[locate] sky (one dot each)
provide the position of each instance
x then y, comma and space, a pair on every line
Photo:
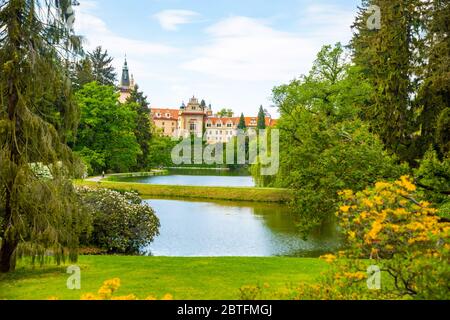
229, 52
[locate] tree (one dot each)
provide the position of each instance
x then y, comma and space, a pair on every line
37, 114
143, 131
203, 104
324, 146
390, 68
242, 125
433, 97
82, 74
261, 118
102, 68
106, 136
225, 113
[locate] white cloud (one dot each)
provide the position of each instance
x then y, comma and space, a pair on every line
248, 49
97, 33
171, 19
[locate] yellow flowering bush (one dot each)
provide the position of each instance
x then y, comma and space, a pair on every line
389, 227
109, 287
387, 220
401, 234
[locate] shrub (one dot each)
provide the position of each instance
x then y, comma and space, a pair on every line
121, 222
389, 228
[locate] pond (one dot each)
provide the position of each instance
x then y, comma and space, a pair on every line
200, 229
191, 177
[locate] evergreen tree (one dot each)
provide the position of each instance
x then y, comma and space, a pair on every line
434, 94
102, 68
261, 118
203, 104
143, 131
388, 58
38, 206
82, 74
241, 125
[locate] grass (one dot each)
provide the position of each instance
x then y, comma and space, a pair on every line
184, 278
198, 192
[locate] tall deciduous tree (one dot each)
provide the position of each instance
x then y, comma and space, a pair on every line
36, 112
143, 131
106, 137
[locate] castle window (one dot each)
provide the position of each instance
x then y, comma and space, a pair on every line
168, 115
229, 125
193, 127
158, 115
219, 125
208, 125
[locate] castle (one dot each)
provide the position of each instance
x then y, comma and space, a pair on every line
195, 118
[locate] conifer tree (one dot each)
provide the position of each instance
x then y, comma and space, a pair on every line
261, 118
38, 206
242, 125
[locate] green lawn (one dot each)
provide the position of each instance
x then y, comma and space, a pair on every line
198, 192
184, 278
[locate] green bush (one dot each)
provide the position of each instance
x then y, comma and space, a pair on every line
121, 222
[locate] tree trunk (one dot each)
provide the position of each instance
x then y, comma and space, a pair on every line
7, 256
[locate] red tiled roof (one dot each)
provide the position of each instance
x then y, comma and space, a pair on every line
224, 120
174, 113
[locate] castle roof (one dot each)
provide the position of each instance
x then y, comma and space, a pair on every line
165, 113
125, 79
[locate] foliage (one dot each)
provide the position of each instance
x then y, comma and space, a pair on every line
400, 234
242, 125
410, 74
225, 113
324, 147
102, 69
160, 151
433, 180
143, 131
38, 115
388, 66
121, 222
106, 136
95, 66
261, 118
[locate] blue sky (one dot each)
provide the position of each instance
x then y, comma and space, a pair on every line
229, 52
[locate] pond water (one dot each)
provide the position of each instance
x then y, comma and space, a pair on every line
190, 177
190, 228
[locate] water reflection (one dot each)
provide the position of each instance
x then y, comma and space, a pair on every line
200, 177
190, 228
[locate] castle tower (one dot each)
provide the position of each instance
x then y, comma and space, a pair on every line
126, 83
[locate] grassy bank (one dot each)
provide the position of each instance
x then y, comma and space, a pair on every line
184, 278
196, 192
